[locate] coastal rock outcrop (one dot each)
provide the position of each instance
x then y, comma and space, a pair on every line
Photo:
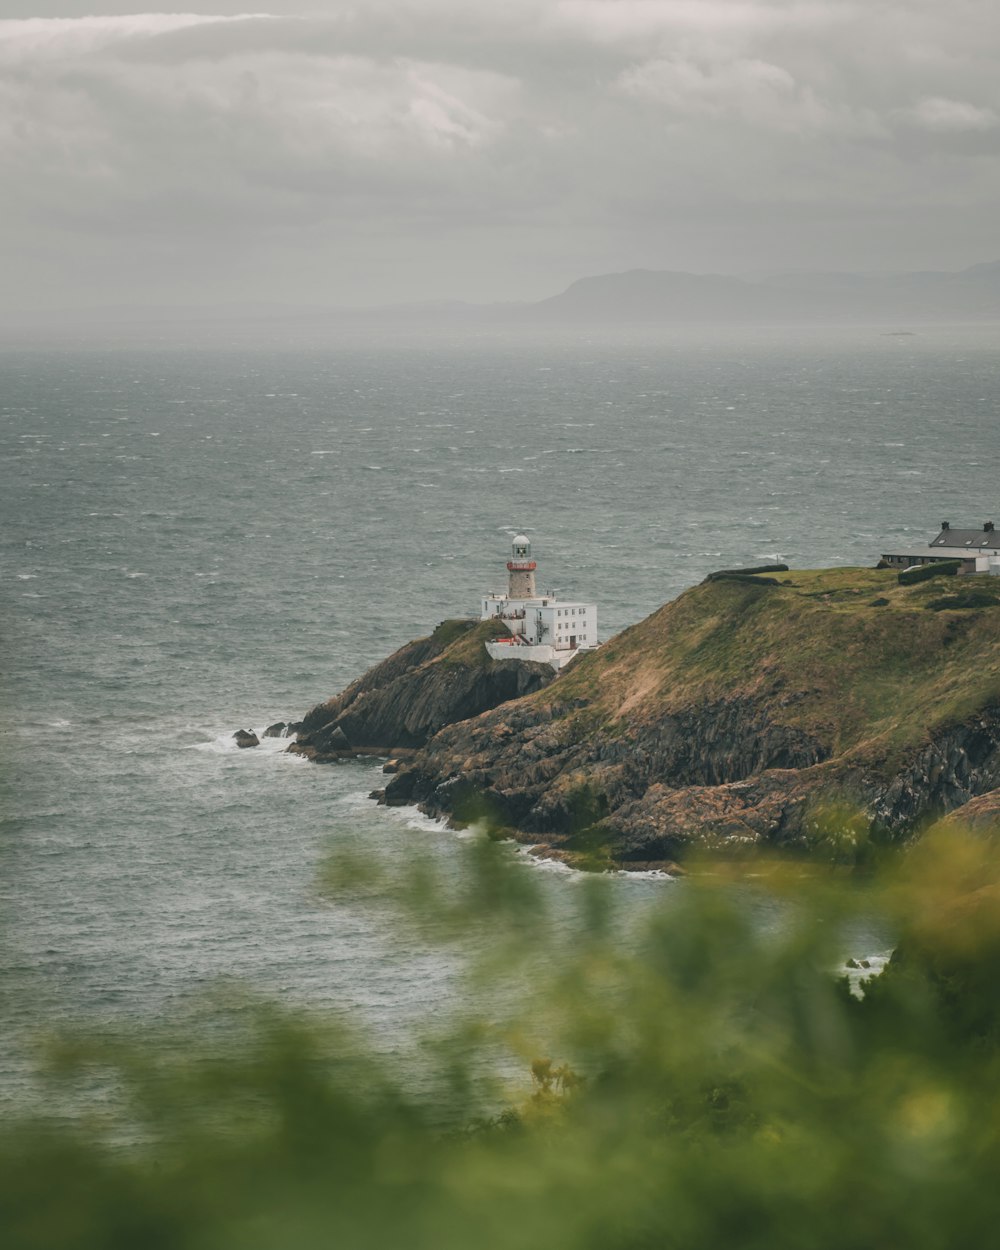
403, 702
737, 715
791, 709
980, 815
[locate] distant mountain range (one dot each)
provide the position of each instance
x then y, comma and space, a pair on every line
663, 295
638, 296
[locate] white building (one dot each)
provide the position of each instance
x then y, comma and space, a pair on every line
542, 627
978, 550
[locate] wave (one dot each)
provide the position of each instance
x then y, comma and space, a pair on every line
548, 864
409, 817
225, 744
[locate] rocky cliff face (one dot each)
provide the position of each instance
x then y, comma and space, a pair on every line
402, 702
736, 715
544, 770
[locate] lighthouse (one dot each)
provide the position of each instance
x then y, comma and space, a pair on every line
540, 626
520, 570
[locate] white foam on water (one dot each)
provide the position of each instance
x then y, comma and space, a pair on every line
361, 799
225, 744
646, 874
275, 746
414, 818
858, 976
545, 863
528, 855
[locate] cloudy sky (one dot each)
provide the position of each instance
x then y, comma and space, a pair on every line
486, 149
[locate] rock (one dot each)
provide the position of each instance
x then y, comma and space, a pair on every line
420, 689
337, 740
391, 766
980, 815
282, 729
245, 738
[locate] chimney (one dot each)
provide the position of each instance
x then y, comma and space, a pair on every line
988, 527
946, 525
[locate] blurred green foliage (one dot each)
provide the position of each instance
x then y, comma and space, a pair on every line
705, 1081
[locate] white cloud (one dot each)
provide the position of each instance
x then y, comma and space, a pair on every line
636, 22
36, 39
104, 106
733, 86
943, 116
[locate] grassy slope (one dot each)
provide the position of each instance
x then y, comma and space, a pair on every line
828, 660
468, 647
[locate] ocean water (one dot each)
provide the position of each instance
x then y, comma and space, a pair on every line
199, 540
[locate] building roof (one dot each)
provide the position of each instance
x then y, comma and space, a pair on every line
966, 540
938, 553
952, 544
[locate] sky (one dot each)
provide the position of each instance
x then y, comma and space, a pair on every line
397, 150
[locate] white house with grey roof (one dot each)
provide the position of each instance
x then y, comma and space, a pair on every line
541, 626
979, 550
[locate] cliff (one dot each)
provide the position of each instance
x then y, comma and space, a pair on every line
737, 715
402, 702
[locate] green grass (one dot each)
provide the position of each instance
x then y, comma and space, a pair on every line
450, 631
469, 647
846, 654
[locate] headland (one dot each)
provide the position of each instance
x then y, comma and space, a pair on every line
793, 709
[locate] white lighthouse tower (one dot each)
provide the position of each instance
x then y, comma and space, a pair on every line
521, 570
541, 627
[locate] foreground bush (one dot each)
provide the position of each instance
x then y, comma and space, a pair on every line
700, 1080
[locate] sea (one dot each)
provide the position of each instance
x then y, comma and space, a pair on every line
203, 536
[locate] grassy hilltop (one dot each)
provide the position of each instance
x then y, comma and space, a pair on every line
737, 712
871, 664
